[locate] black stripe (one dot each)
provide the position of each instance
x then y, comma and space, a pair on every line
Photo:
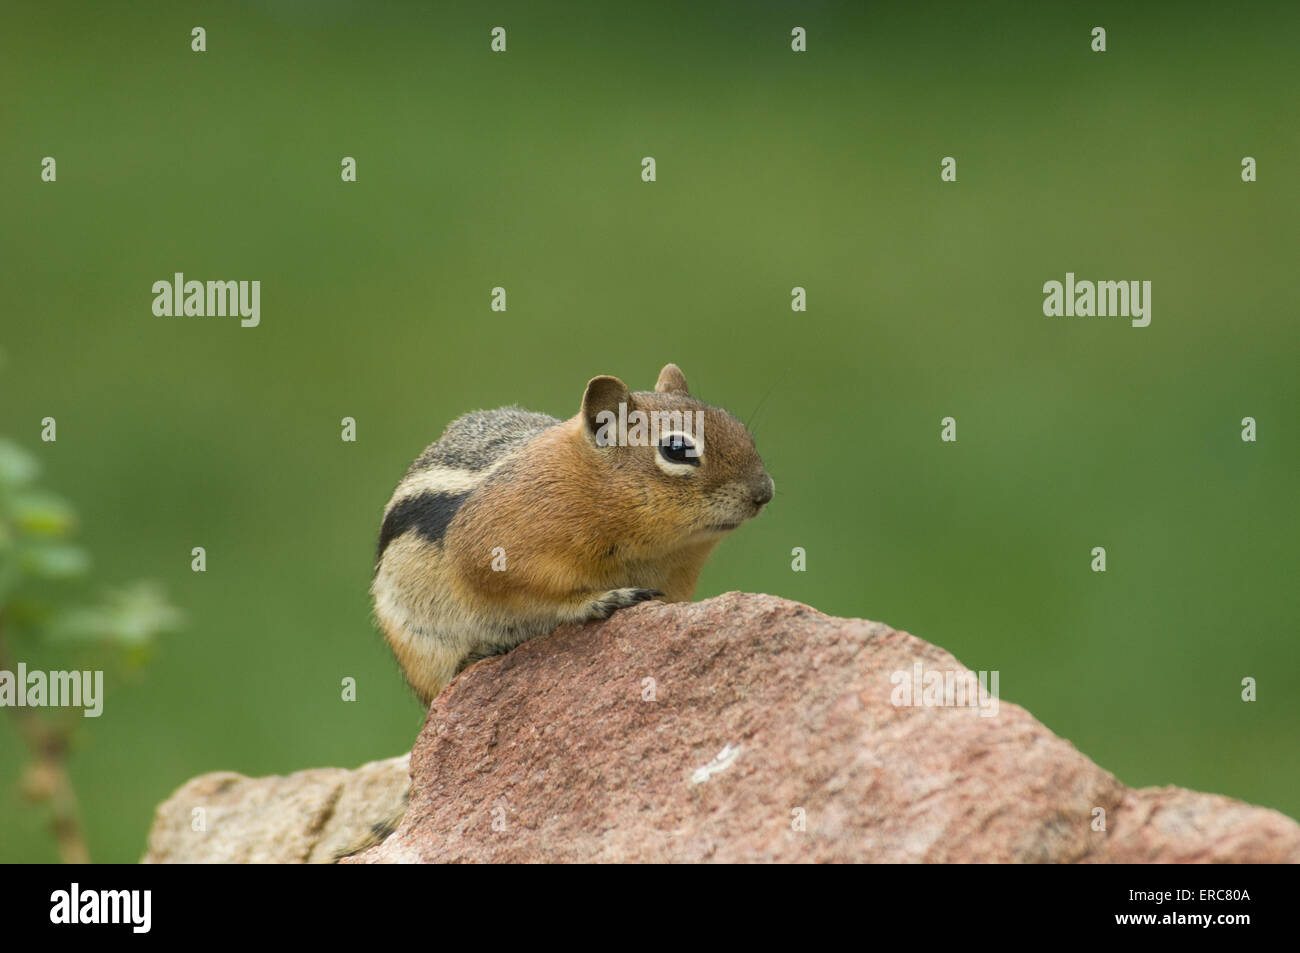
429, 514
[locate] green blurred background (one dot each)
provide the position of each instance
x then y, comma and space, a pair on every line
775, 169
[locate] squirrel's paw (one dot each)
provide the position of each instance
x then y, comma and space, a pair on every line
610, 602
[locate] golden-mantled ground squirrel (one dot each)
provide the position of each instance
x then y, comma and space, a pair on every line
514, 522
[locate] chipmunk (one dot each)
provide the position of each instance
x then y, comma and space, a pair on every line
515, 522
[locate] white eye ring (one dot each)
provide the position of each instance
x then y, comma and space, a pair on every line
695, 452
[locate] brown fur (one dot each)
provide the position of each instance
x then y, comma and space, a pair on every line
585, 529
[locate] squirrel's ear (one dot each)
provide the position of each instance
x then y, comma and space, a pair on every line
672, 381
602, 397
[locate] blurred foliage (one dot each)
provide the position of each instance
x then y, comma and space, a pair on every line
36, 527
35, 551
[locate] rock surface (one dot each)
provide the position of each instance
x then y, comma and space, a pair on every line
309, 817
765, 711
743, 728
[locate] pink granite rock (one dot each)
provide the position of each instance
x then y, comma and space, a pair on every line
748, 728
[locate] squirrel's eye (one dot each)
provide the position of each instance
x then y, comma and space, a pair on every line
679, 448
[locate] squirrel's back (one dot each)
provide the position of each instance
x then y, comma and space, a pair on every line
441, 477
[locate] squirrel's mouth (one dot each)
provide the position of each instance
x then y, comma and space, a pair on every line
722, 527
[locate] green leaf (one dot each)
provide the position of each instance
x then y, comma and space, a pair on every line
17, 466
43, 514
132, 617
54, 560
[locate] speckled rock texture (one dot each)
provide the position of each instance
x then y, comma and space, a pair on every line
309, 817
747, 728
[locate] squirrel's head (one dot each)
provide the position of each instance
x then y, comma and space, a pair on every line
694, 472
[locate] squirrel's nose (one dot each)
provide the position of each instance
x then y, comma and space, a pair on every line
763, 492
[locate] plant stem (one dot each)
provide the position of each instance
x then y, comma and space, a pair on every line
48, 748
